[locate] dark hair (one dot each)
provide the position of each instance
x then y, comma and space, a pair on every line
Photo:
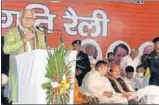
99, 63
121, 45
110, 53
140, 66
129, 69
156, 39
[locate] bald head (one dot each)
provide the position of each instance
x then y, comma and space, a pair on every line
27, 18
115, 71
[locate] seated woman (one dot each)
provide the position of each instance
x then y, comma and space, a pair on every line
118, 82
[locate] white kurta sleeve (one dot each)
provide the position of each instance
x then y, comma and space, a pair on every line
94, 88
117, 94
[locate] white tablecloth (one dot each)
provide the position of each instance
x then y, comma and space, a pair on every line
31, 69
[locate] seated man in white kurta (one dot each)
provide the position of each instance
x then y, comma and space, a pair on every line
96, 84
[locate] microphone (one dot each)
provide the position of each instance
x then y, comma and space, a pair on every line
61, 38
39, 28
44, 28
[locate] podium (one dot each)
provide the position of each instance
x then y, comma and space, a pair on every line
30, 71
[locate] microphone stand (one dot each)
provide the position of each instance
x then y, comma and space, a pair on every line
46, 38
61, 37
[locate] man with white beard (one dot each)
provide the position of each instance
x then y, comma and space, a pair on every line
96, 84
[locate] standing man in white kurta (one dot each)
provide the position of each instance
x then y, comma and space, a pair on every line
131, 60
95, 83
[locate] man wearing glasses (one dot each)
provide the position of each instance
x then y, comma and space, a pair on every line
22, 38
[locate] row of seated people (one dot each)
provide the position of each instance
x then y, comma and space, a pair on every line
110, 86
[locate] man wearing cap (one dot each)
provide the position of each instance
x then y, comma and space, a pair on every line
82, 63
154, 63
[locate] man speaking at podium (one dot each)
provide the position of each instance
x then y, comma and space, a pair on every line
22, 38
